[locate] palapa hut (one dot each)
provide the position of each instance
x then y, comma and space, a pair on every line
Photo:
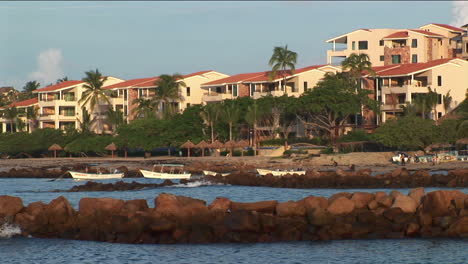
463, 151
202, 145
188, 145
55, 148
112, 147
216, 145
231, 144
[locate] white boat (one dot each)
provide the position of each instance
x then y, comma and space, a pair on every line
95, 176
213, 173
175, 172
280, 172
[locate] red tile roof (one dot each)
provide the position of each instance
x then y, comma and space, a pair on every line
406, 69
235, 78
58, 86
24, 103
449, 27
427, 33
134, 83
397, 35
266, 76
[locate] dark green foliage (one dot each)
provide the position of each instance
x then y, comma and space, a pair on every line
356, 135
91, 145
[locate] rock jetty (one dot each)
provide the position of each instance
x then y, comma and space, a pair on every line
179, 219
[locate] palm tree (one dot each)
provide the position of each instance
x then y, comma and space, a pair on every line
146, 108
420, 102
11, 114
94, 94
432, 100
115, 118
447, 100
64, 79
231, 114
86, 122
31, 115
252, 117
209, 114
31, 86
283, 59
168, 90
356, 64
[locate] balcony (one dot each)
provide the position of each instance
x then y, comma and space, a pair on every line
389, 108
407, 88
258, 95
117, 100
216, 97
67, 102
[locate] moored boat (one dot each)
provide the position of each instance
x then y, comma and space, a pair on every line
95, 176
280, 172
213, 173
175, 172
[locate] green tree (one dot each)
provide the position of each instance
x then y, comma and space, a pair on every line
282, 59
11, 114
356, 64
230, 114
86, 122
145, 108
31, 116
168, 90
115, 118
94, 95
31, 86
64, 79
252, 117
210, 114
432, 99
447, 100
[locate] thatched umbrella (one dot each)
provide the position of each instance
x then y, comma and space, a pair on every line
216, 144
243, 144
188, 145
230, 144
54, 148
432, 146
112, 147
462, 141
202, 145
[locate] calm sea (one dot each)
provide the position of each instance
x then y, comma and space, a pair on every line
33, 250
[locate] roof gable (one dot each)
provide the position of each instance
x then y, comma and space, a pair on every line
55, 87
410, 68
445, 26
24, 103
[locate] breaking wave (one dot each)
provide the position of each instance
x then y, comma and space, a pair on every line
195, 184
8, 230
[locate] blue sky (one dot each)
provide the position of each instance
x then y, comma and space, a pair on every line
49, 40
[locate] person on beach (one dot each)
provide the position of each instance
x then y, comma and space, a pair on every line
402, 159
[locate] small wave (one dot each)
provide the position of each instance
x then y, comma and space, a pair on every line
195, 184
8, 230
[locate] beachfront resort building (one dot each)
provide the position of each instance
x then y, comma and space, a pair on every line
12, 123
259, 84
396, 85
59, 107
395, 46
125, 93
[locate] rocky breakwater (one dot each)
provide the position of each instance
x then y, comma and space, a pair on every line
364, 178
179, 219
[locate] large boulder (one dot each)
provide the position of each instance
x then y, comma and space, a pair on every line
385, 201
10, 205
417, 194
133, 206
290, 208
362, 199
89, 206
459, 228
220, 204
268, 207
406, 203
438, 203
341, 205
179, 206
312, 202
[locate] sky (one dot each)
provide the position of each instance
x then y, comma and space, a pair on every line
45, 41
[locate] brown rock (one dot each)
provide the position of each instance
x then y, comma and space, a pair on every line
59, 211
243, 221
10, 205
178, 206
412, 229
268, 207
459, 228
385, 201
437, 203
89, 206
379, 195
417, 194
373, 205
341, 205
406, 203
312, 202
459, 203
395, 194
364, 172
290, 208
362, 199
340, 194
220, 204
319, 217
135, 205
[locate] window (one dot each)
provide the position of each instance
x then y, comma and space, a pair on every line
396, 59
382, 58
414, 43
362, 45
439, 114
252, 89
188, 91
188, 105
353, 45
439, 80
305, 86
234, 90
414, 58
293, 86
466, 47
439, 99
381, 42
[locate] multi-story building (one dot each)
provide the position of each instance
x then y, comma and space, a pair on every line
258, 84
395, 46
125, 93
59, 105
395, 85
8, 125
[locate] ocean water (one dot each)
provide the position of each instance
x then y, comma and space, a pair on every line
33, 250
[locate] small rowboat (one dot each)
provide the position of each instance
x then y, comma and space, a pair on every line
280, 173
213, 173
173, 174
95, 176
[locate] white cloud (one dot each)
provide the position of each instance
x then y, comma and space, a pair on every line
460, 13
49, 64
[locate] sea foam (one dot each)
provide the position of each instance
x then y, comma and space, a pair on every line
8, 230
195, 184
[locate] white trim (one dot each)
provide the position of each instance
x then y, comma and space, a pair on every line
345, 35
443, 28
